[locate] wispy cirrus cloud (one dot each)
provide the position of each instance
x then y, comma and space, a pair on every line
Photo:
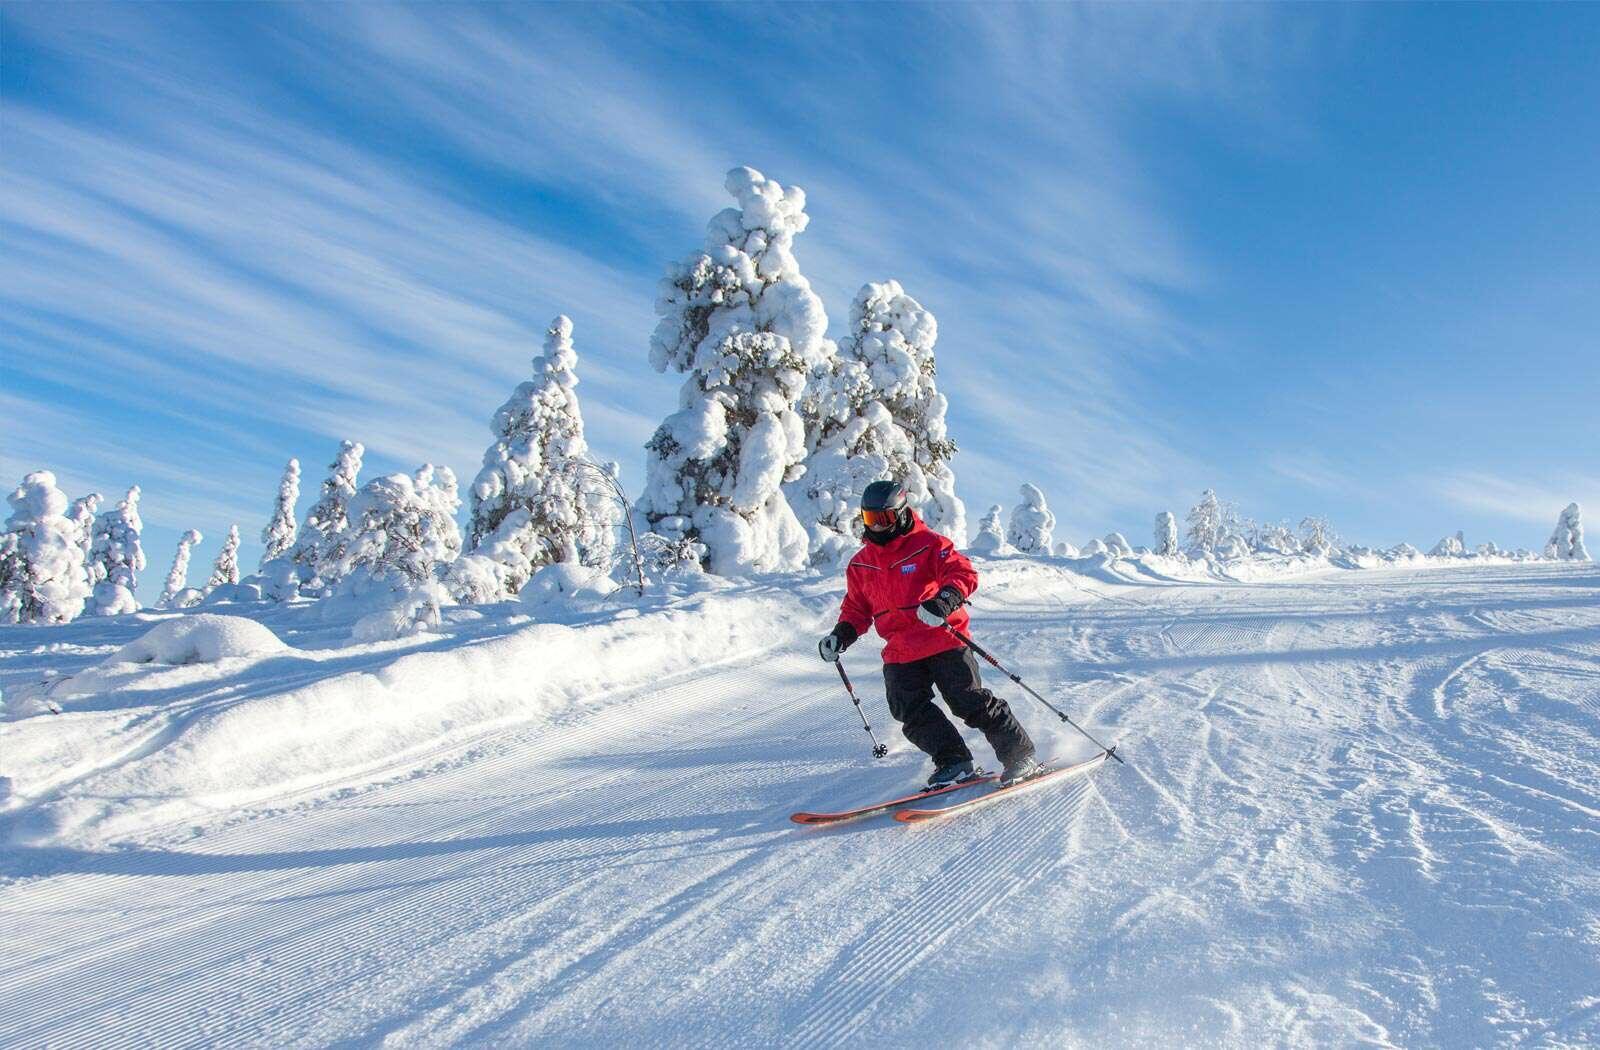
261, 234
1533, 501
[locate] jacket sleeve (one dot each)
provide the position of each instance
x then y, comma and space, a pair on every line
955, 570
856, 611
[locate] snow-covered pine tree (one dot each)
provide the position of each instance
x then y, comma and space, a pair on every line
874, 411
178, 575
1206, 523
402, 528
318, 551
1031, 523
1566, 543
1166, 533
225, 570
743, 323
991, 537
279, 535
117, 557
538, 499
42, 575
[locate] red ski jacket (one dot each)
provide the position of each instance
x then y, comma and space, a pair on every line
884, 585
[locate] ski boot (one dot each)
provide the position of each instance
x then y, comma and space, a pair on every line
1019, 769
951, 773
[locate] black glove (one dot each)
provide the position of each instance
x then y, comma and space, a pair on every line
937, 609
837, 641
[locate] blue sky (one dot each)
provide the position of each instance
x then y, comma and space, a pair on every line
1326, 259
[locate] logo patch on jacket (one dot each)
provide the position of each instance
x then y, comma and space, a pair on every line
908, 567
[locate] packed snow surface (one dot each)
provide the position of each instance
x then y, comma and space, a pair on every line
1359, 808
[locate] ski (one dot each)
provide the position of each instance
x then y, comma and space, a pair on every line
917, 816
879, 807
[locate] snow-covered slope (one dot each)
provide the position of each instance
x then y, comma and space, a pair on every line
1358, 807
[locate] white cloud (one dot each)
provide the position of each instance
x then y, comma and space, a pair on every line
1537, 502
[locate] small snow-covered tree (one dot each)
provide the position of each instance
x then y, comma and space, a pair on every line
279, 535
537, 499
1031, 523
1166, 533
403, 527
318, 551
81, 514
1450, 547
1063, 549
991, 537
743, 323
42, 575
1316, 535
1273, 537
1118, 545
1207, 523
1233, 547
178, 575
1094, 547
874, 411
117, 557
1566, 543
225, 570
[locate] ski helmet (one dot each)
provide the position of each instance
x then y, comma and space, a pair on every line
884, 505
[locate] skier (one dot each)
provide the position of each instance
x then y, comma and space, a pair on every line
908, 581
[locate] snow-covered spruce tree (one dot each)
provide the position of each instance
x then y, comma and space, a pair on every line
278, 537
318, 551
991, 537
81, 514
1118, 545
225, 570
1031, 523
117, 558
42, 575
1450, 547
537, 499
1206, 523
874, 411
742, 322
178, 575
402, 528
1566, 543
1166, 534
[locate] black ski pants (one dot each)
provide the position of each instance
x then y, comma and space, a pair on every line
909, 687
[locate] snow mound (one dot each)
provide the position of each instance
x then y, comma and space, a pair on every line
203, 638
565, 582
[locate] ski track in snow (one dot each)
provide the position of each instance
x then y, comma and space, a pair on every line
1359, 808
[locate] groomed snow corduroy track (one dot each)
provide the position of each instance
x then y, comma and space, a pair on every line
1359, 808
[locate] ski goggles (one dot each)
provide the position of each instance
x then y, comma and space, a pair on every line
879, 519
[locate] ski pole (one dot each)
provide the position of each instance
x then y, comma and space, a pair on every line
981, 651
878, 750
